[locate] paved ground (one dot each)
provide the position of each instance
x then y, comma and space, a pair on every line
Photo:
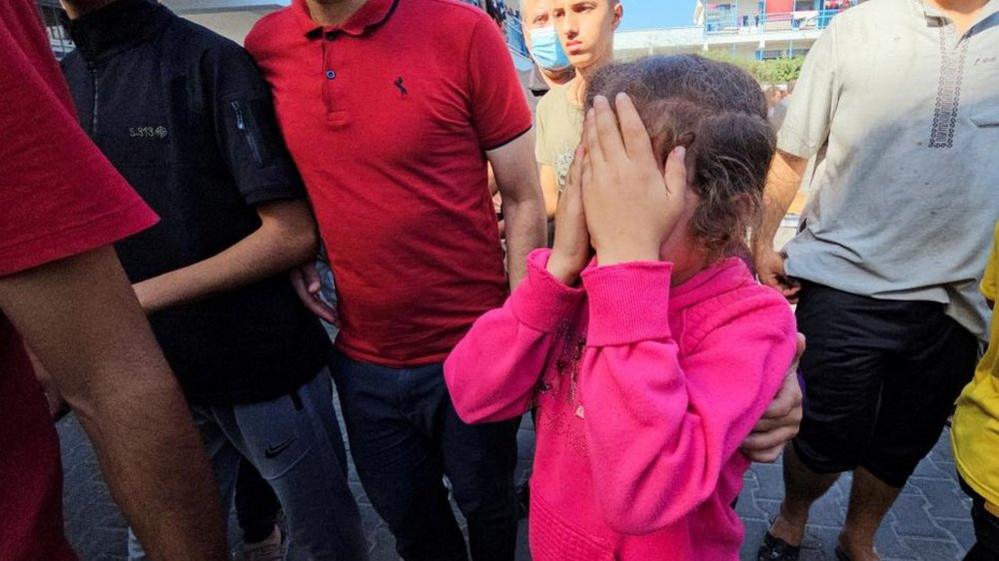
928, 523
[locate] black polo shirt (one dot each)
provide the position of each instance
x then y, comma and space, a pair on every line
185, 116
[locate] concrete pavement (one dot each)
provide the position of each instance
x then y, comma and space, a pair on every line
929, 522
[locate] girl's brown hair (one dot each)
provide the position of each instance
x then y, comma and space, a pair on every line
719, 113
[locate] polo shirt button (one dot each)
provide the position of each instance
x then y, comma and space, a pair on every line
330, 74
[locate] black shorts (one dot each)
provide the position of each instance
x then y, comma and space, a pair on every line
880, 379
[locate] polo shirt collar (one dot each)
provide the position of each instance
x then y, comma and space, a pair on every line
369, 16
990, 10
925, 10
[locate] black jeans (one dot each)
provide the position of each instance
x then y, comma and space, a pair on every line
986, 529
257, 508
405, 436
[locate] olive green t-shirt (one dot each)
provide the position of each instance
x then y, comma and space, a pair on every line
559, 128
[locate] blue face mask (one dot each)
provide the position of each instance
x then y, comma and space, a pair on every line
547, 49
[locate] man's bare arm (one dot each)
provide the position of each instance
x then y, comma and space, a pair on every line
523, 206
286, 238
783, 182
549, 189
81, 318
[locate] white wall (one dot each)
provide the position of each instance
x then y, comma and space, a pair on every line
233, 25
230, 18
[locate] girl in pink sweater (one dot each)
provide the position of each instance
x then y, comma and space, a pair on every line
650, 363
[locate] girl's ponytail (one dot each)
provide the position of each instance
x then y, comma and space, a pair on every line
732, 153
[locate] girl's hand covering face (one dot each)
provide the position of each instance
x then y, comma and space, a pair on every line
571, 251
631, 206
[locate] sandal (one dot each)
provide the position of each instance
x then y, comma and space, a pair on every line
776, 549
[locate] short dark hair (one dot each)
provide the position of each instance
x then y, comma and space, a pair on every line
719, 113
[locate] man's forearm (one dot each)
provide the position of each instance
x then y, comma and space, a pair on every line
270, 250
523, 205
525, 232
154, 462
549, 189
82, 320
783, 182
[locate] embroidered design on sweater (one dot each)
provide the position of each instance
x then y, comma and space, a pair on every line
563, 387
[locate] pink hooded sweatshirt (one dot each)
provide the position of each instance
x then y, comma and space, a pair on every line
644, 394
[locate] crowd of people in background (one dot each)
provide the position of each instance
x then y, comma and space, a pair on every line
500, 12
169, 270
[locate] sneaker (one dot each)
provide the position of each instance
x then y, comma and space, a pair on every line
271, 549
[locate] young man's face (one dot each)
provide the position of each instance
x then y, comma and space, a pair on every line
586, 28
76, 8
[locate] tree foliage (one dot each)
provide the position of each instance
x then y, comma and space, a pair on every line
774, 71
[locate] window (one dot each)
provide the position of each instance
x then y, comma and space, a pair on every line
62, 45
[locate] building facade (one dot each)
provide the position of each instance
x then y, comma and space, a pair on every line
753, 29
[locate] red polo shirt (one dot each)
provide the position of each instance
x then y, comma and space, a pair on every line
388, 117
58, 197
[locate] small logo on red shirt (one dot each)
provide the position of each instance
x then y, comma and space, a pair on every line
402, 88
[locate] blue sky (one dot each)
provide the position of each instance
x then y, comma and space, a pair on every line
643, 14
